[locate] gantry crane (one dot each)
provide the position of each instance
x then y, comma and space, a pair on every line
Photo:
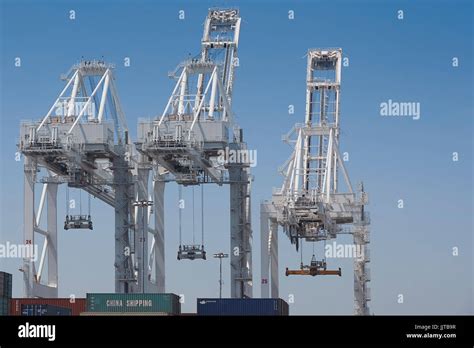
82, 142
185, 142
310, 205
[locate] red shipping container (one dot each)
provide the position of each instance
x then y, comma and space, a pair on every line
77, 307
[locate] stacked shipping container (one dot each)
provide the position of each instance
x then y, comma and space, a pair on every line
6, 288
43, 309
126, 314
76, 307
97, 304
242, 306
134, 303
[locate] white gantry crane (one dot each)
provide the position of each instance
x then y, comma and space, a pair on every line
311, 205
82, 142
187, 144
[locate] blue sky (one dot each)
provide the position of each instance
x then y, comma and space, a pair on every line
406, 60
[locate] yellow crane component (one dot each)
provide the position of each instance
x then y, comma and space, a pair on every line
315, 268
313, 272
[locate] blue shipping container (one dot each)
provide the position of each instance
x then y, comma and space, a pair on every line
4, 305
43, 309
242, 306
6, 283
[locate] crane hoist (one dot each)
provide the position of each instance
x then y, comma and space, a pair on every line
315, 268
80, 221
191, 251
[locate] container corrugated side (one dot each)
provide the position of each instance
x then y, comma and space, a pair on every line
126, 314
4, 306
237, 306
77, 307
5, 275
6, 284
123, 303
31, 310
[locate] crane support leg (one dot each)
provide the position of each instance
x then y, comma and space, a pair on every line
141, 230
274, 258
150, 262
240, 231
264, 249
124, 282
159, 248
52, 238
32, 220
28, 223
269, 251
361, 275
